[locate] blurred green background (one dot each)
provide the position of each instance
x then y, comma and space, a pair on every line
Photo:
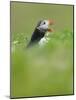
41, 71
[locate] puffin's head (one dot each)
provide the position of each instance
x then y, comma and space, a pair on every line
43, 25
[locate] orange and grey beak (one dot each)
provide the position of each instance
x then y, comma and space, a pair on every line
51, 22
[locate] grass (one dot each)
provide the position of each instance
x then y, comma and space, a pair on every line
42, 71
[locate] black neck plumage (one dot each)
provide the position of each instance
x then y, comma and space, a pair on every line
36, 37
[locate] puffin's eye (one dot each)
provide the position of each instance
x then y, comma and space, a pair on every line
44, 23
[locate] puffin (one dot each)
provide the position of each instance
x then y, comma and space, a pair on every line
39, 32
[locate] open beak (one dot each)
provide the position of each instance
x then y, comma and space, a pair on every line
51, 22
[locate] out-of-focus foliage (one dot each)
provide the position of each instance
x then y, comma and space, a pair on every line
40, 71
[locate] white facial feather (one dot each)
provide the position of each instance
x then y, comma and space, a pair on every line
44, 25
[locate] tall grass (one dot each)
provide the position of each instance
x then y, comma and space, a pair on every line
42, 71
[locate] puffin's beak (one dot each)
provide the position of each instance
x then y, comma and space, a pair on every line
51, 22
